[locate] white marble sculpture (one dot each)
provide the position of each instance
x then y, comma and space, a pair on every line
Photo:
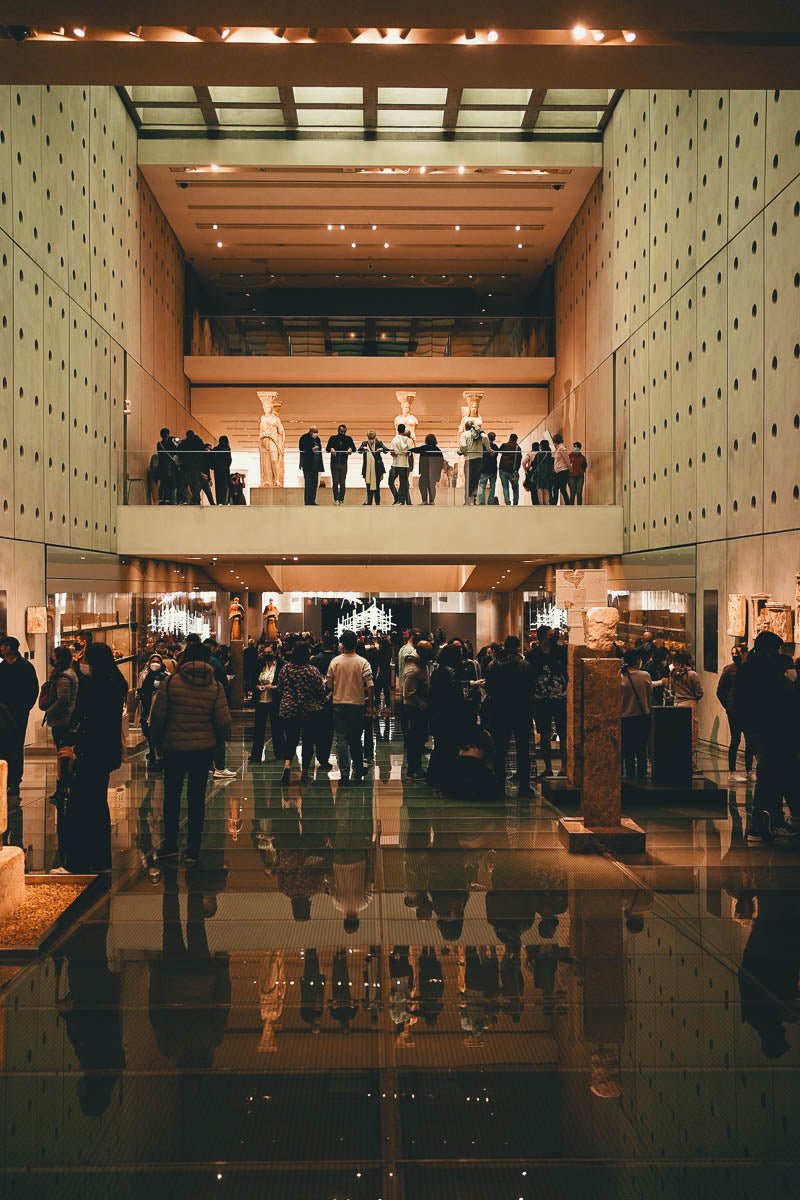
406, 416
271, 441
737, 615
599, 627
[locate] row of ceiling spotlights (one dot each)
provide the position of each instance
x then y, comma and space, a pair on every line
580, 33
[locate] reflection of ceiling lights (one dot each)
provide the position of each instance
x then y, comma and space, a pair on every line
79, 31
629, 35
598, 35
492, 35
579, 32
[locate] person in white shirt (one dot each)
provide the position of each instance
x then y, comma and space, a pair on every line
408, 648
401, 448
560, 470
351, 686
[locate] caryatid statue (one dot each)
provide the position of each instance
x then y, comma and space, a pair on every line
406, 416
271, 441
469, 412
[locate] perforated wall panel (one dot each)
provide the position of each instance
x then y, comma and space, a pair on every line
697, 215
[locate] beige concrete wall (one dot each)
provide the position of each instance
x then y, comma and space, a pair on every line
677, 315
91, 303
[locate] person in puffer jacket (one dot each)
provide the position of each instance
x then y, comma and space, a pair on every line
190, 715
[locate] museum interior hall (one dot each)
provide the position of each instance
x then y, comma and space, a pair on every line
376, 855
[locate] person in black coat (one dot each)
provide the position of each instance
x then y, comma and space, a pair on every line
450, 718
19, 691
310, 448
98, 747
221, 466
193, 459
168, 472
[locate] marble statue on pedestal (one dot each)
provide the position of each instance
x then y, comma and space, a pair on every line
271, 615
271, 441
236, 615
406, 416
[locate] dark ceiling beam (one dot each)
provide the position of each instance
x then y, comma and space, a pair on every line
704, 15
533, 108
451, 106
700, 65
370, 101
288, 106
207, 108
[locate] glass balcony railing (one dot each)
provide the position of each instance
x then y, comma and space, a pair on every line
370, 337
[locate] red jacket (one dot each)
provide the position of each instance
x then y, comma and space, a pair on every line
577, 463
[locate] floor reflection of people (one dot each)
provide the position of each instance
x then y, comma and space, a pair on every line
401, 1001
312, 991
511, 911
768, 977
271, 998
302, 832
431, 985
90, 1009
190, 988
342, 1007
478, 991
372, 984
350, 878
148, 833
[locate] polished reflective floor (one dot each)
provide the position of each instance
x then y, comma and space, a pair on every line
373, 992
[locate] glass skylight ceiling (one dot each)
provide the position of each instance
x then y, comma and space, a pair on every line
505, 112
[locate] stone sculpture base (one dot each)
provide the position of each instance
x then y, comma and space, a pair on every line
579, 838
12, 880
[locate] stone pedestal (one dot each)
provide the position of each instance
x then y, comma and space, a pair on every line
576, 656
12, 859
237, 670
596, 682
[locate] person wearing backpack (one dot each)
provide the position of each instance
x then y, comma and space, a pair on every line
189, 716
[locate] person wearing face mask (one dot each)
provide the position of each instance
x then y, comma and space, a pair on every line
267, 699
153, 678
372, 468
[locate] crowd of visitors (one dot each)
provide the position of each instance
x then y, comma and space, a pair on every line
183, 470
549, 476
460, 714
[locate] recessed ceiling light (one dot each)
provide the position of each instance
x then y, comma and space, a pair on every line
219, 245
598, 35
215, 226
79, 31
422, 170
519, 245
214, 167
354, 245
330, 227
457, 228
492, 35
343, 227
374, 227
386, 245
579, 32
224, 33
518, 227
461, 170
629, 35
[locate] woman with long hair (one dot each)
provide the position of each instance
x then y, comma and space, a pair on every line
98, 749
